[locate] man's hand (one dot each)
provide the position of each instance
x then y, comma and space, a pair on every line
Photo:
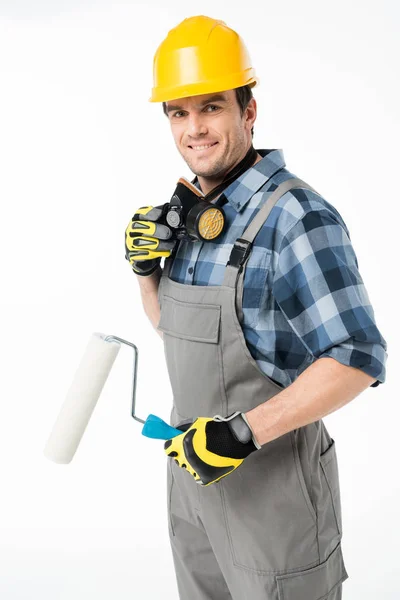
148, 239
210, 449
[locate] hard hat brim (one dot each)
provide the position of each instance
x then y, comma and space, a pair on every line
229, 82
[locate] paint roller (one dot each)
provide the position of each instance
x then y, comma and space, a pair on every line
83, 394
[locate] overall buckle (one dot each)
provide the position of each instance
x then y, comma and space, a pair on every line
240, 251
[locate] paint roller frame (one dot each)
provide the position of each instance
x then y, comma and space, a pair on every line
114, 338
81, 399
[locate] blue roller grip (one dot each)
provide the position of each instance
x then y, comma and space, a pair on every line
156, 428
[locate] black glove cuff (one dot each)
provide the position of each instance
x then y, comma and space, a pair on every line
144, 268
240, 429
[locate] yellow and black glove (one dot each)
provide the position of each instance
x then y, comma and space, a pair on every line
147, 239
210, 449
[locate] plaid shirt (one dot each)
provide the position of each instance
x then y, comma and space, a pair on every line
303, 295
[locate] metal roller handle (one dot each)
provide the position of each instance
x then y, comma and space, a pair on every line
110, 338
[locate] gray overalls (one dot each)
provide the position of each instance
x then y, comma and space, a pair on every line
270, 530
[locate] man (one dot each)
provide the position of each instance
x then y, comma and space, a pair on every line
266, 330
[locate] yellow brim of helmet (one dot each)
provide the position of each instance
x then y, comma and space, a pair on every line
221, 84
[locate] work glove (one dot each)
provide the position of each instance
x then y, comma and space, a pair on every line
147, 239
210, 449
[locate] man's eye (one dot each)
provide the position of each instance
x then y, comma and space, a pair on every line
212, 106
178, 113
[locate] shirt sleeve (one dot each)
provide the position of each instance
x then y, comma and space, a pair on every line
318, 287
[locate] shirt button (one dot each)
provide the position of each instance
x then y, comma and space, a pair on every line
190, 270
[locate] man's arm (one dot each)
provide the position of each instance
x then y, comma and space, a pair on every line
149, 293
322, 388
319, 289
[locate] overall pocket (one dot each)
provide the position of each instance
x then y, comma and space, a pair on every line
330, 511
270, 526
170, 483
301, 459
193, 356
316, 583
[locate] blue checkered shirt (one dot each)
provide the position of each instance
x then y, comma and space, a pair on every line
303, 295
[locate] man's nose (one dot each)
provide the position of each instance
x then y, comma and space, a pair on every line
196, 125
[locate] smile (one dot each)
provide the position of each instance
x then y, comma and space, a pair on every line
203, 147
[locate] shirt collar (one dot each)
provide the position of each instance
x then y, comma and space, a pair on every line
239, 192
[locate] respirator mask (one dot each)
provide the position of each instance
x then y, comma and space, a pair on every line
192, 216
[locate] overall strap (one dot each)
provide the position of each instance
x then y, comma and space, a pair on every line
236, 266
168, 261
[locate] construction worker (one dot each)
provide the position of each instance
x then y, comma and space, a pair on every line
266, 329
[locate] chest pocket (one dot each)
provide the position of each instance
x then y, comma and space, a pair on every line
256, 284
193, 356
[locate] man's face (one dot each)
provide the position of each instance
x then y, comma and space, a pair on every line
209, 131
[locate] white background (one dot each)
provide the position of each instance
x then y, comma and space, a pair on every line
80, 149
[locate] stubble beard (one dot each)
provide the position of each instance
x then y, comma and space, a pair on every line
212, 171
216, 170
222, 164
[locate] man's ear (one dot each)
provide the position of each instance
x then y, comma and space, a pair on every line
250, 113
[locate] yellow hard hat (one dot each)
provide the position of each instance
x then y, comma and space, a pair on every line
200, 56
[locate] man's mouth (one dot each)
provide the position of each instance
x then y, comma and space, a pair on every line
202, 147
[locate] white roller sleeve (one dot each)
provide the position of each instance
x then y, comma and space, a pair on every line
81, 398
